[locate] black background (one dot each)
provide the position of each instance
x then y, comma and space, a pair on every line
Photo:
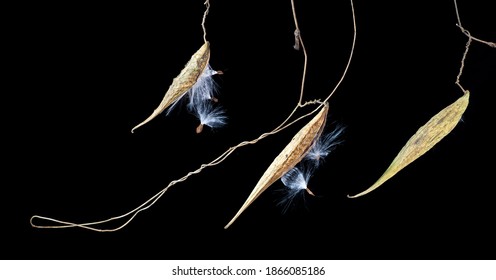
87, 72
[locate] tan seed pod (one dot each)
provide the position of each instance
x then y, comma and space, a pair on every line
424, 139
183, 82
293, 153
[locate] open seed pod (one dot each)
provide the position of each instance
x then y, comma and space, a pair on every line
183, 82
293, 153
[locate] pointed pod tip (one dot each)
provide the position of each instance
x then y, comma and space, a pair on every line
364, 192
136, 127
229, 224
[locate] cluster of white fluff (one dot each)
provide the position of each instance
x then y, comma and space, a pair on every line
202, 101
296, 179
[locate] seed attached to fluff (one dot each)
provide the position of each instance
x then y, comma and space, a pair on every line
296, 179
324, 145
209, 114
296, 183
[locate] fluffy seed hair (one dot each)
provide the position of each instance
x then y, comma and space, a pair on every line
205, 88
325, 144
209, 114
296, 183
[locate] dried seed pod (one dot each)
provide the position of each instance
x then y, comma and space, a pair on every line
183, 82
293, 153
424, 139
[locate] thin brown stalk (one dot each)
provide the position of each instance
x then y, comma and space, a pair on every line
467, 46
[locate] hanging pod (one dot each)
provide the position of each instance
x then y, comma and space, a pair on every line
293, 153
424, 139
183, 82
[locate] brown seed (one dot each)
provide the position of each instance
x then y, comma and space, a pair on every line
309, 192
183, 82
424, 139
293, 153
199, 128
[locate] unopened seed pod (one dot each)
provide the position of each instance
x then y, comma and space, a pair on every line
424, 139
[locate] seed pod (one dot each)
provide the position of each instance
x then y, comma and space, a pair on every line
293, 153
183, 82
424, 139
